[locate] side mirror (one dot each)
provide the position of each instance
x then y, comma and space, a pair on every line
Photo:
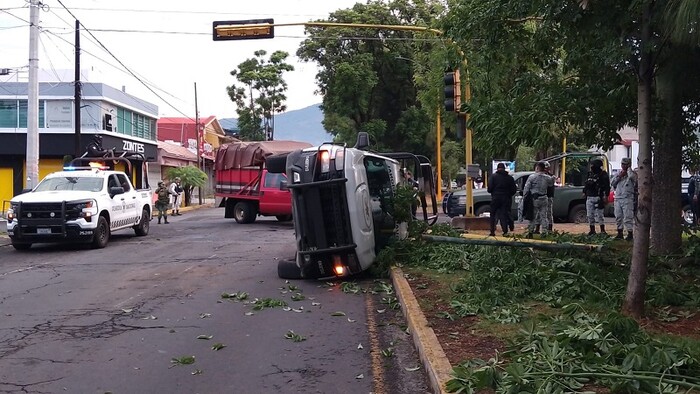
283, 186
115, 190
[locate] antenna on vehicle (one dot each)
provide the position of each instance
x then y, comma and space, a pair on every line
362, 140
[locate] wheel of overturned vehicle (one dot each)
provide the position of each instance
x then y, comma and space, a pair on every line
101, 235
144, 225
482, 210
244, 212
578, 214
288, 269
21, 246
284, 218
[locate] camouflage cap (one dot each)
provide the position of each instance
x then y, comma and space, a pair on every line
626, 160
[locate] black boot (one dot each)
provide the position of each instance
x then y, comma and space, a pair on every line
619, 234
629, 236
158, 220
602, 229
592, 231
166, 220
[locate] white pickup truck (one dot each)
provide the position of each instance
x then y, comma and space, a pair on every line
78, 204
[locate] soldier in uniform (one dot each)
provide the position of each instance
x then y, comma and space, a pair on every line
536, 187
550, 196
163, 200
95, 148
624, 184
502, 188
596, 190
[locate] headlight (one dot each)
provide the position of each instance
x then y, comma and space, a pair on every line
11, 213
87, 209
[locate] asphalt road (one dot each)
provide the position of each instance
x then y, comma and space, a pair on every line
78, 320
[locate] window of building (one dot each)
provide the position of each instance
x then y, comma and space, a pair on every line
13, 113
136, 125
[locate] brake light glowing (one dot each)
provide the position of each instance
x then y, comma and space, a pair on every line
338, 267
325, 161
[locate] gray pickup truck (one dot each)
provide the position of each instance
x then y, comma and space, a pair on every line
569, 201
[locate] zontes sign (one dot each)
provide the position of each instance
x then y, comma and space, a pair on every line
131, 146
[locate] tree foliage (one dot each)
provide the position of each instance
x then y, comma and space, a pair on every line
366, 75
260, 93
190, 177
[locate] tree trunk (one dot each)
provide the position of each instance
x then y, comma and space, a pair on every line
636, 283
668, 149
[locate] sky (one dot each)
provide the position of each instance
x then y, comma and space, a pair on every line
170, 62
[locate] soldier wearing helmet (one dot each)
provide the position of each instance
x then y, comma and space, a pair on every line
596, 190
162, 201
175, 190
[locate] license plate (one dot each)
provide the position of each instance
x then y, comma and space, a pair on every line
43, 231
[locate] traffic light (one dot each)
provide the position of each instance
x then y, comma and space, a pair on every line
244, 30
452, 91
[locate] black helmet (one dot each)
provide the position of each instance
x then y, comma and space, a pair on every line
597, 163
98, 137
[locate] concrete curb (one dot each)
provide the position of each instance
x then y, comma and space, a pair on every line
431, 353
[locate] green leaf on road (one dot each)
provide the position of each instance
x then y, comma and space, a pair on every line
338, 313
184, 360
294, 336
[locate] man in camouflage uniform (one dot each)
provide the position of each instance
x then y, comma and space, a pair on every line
550, 196
163, 201
624, 184
536, 188
596, 190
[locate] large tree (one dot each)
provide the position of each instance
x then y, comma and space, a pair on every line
366, 75
589, 67
260, 93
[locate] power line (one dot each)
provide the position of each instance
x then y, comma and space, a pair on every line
123, 65
159, 11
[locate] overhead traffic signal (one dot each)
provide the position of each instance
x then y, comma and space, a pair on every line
244, 29
453, 95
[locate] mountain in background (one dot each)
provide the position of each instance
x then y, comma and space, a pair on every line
297, 125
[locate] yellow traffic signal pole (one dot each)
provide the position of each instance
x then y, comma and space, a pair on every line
562, 178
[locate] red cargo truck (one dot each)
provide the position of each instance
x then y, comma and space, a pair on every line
245, 186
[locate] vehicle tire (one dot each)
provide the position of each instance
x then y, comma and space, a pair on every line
276, 164
482, 209
244, 212
101, 236
144, 225
21, 246
578, 214
288, 269
284, 218
687, 215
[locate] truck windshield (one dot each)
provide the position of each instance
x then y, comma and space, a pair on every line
88, 184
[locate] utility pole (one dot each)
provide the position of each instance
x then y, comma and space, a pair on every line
77, 89
32, 165
199, 142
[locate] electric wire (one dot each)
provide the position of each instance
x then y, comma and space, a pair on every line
123, 65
